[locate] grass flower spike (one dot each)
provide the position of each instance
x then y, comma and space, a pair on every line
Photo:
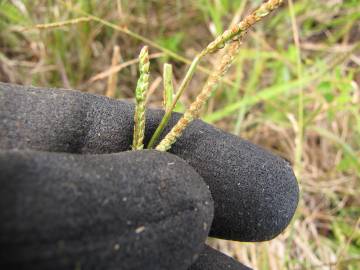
234, 33
140, 96
201, 99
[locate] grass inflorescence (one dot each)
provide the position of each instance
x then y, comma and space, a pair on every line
140, 97
233, 34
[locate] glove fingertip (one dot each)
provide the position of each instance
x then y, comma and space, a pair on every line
211, 259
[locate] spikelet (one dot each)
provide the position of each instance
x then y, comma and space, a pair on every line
140, 97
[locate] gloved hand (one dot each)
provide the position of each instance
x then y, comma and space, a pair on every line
73, 196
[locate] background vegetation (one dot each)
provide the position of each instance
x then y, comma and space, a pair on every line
294, 89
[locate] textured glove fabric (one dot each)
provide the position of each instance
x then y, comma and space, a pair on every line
137, 210
211, 259
255, 193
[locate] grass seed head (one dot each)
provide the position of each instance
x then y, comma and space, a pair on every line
140, 97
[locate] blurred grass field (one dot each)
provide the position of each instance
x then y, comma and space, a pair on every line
294, 89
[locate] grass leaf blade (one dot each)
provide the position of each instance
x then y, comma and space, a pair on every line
168, 93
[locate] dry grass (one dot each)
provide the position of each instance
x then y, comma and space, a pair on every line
278, 92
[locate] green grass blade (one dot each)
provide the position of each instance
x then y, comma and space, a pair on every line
345, 146
266, 94
168, 93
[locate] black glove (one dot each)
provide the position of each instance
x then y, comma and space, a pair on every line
73, 196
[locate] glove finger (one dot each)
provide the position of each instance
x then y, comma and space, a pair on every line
255, 193
211, 259
132, 210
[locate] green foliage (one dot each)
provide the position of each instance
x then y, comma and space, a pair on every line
217, 11
173, 42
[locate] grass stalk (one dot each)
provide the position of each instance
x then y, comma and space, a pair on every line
300, 114
235, 32
58, 24
300, 121
140, 97
112, 79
